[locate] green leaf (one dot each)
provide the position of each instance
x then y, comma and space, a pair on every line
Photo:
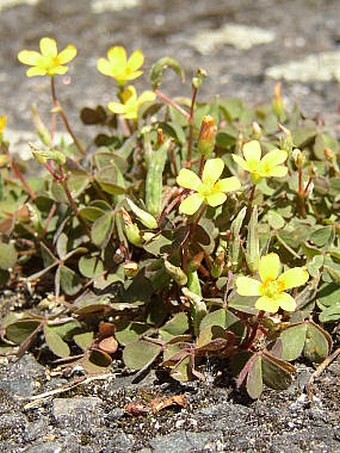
138, 354
253, 244
177, 325
235, 241
20, 330
8, 256
129, 332
330, 314
293, 340
55, 342
254, 383
91, 266
317, 344
323, 236
182, 371
69, 280
83, 340
102, 229
111, 180
275, 220
91, 213
158, 68
275, 373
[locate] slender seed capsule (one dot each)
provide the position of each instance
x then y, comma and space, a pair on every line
176, 273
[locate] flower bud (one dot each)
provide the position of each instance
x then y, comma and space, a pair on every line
257, 131
286, 142
298, 158
144, 217
160, 137
130, 269
328, 153
218, 266
176, 273
131, 229
199, 77
206, 139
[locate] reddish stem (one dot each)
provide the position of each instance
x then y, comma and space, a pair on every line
191, 123
174, 104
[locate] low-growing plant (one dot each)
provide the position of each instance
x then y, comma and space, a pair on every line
189, 229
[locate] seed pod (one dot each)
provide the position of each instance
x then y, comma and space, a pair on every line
198, 308
154, 179
206, 138
130, 269
277, 104
253, 245
176, 273
145, 218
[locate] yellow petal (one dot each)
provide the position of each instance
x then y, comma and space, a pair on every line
131, 111
252, 152
104, 67
213, 169
132, 76
278, 172
146, 96
48, 47
216, 199
241, 162
116, 107
191, 204
275, 157
129, 95
30, 57
117, 56
67, 54
3, 122
267, 304
31, 72
136, 60
269, 267
57, 70
247, 286
228, 184
293, 277
188, 179
286, 302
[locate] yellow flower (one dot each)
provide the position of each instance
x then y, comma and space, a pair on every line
119, 67
3, 122
259, 168
131, 103
208, 189
272, 288
49, 61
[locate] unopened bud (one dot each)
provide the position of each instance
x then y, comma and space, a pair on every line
298, 158
206, 138
130, 269
286, 141
176, 273
199, 77
257, 131
277, 104
131, 229
144, 217
160, 137
218, 266
328, 153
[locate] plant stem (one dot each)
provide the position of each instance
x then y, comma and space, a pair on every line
191, 123
169, 208
17, 172
185, 245
300, 200
60, 110
200, 171
254, 329
250, 203
174, 104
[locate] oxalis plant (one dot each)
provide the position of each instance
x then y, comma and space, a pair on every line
188, 229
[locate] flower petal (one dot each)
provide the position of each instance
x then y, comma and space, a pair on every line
267, 304
48, 47
129, 94
216, 199
136, 60
116, 107
30, 57
228, 184
117, 56
252, 151
146, 96
104, 67
132, 76
191, 204
57, 70
31, 72
241, 162
269, 267
213, 169
67, 54
286, 302
293, 277
275, 157
247, 286
188, 179
278, 172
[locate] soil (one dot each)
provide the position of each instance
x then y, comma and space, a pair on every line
90, 417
